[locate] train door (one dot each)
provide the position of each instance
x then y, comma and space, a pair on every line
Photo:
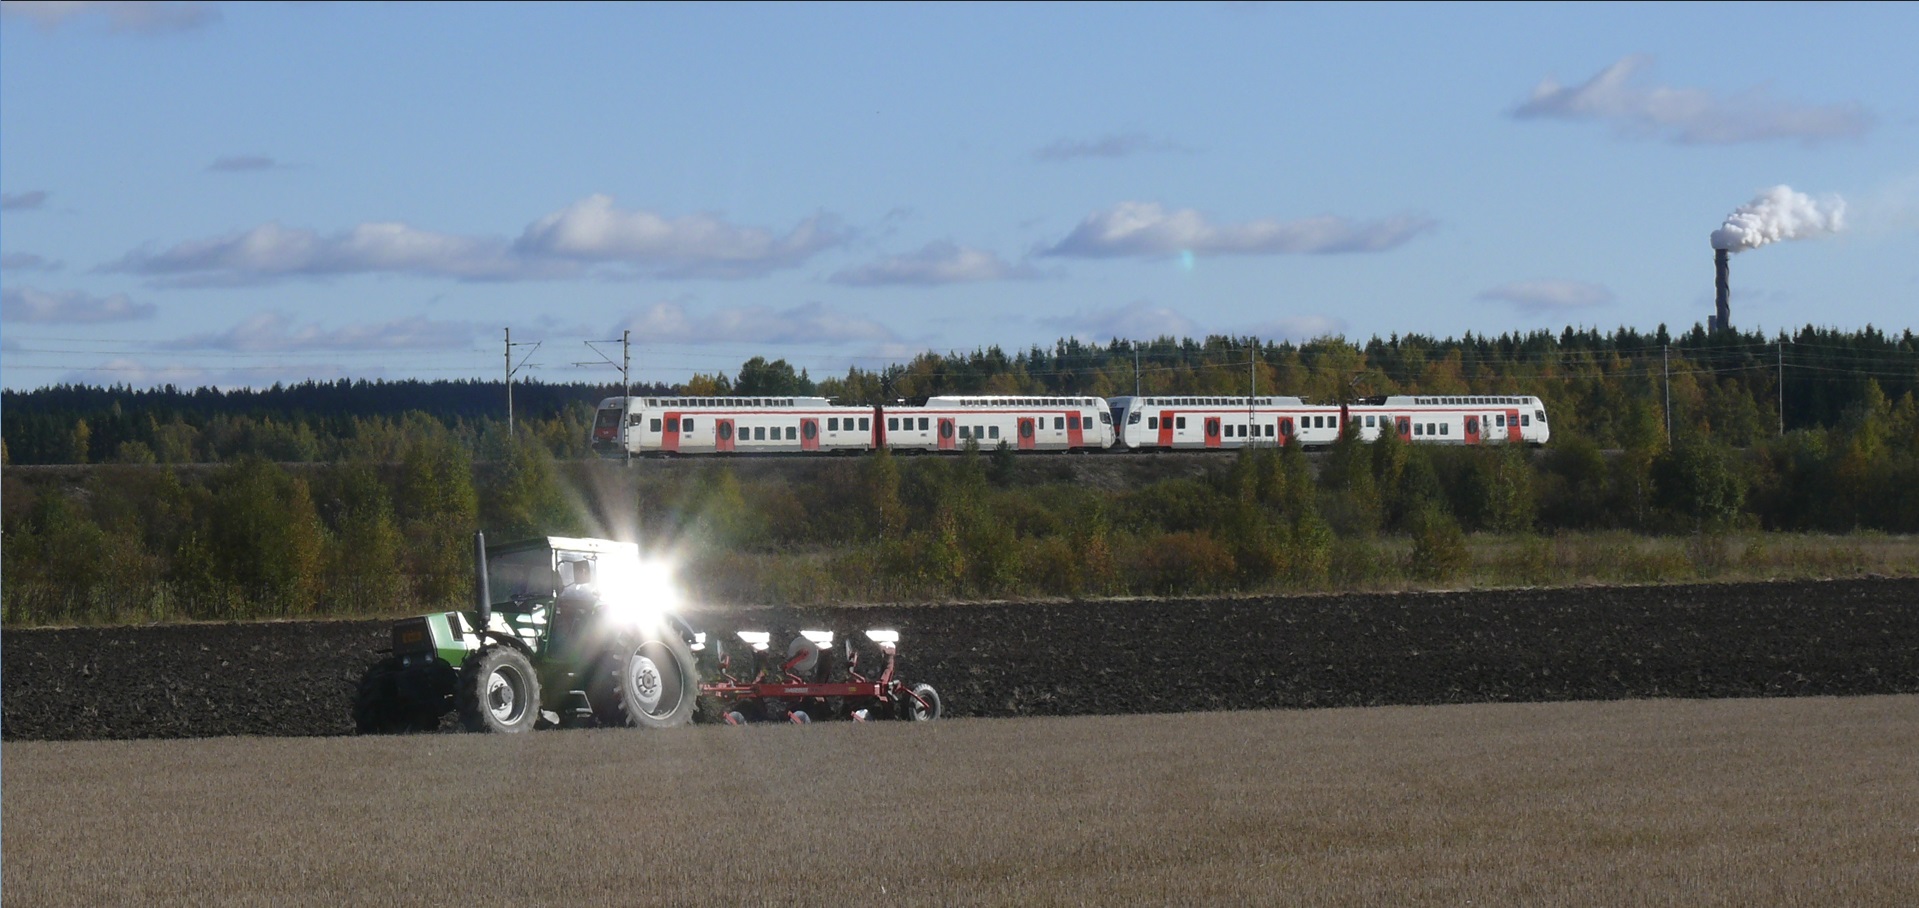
947, 442
1165, 428
1512, 426
1472, 428
723, 436
1026, 433
1212, 431
810, 434
1075, 431
670, 435
1405, 426
1285, 431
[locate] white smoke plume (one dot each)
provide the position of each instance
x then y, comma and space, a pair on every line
1778, 214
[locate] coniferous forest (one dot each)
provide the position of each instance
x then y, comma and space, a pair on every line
1673, 457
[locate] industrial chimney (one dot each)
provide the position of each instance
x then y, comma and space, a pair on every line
1722, 304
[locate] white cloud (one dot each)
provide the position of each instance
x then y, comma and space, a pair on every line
149, 18
1138, 320
1689, 116
940, 262
594, 229
1147, 229
243, 163
22, 201
139, 373
588, 238
808, 323
275, 331
271, 252
30, 306
27, 261
1549, 296
1118, 145
1298, 328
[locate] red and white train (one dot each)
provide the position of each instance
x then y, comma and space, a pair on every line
809, 425
1200, 422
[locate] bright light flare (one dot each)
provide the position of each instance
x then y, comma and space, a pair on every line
821, 639
756, 639
640, 592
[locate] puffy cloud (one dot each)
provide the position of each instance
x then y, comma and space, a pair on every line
22, 201
151, 17
1107, 146
1688, 116
940, 262
274, 331
27, 261
271, 252
1298, 328
31, 306
593, 229
590, 237
808, 323
243, 163
1148, 229
1138, 320
1549, 296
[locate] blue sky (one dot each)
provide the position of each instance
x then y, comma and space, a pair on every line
238, 194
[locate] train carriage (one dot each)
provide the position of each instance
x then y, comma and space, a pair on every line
1471, 419
731, 425
1022, 423
1202, 422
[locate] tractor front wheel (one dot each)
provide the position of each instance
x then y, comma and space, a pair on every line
499, 692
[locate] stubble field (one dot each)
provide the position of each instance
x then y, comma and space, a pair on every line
1803, 801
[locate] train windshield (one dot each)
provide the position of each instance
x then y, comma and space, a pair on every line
607, 418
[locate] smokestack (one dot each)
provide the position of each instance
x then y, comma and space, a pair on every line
1722, 292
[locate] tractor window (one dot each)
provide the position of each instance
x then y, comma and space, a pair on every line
524, 574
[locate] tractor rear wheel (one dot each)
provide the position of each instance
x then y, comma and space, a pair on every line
922, 705
499, 692
648, 680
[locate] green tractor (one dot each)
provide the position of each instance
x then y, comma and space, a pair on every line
563, 631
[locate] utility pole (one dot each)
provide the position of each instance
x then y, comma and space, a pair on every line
1665, 363
1135, 368
625, 366
510, 369
1782, 386
1252, 378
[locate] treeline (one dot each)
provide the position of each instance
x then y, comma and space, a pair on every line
1620, 390
256, 538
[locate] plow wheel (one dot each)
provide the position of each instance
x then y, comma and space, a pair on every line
921, 705
649, 681
499, 691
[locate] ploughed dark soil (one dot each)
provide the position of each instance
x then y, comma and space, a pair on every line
1731, 640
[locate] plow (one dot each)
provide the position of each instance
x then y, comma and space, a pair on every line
569, 632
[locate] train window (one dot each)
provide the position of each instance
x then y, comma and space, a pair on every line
833, 424
1105, 420
1542, 416
792, 433
1179, 422
686, 425
1501, 420
1443, 429
892, 424
966, 432
672, 424
866, 424
992, 431
759, 433
1525, 420
923, 423
653, 426
1059, 423
1152, 422
1269, 431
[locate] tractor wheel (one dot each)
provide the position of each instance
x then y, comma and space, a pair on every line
649, 681
923, 705
499, 691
